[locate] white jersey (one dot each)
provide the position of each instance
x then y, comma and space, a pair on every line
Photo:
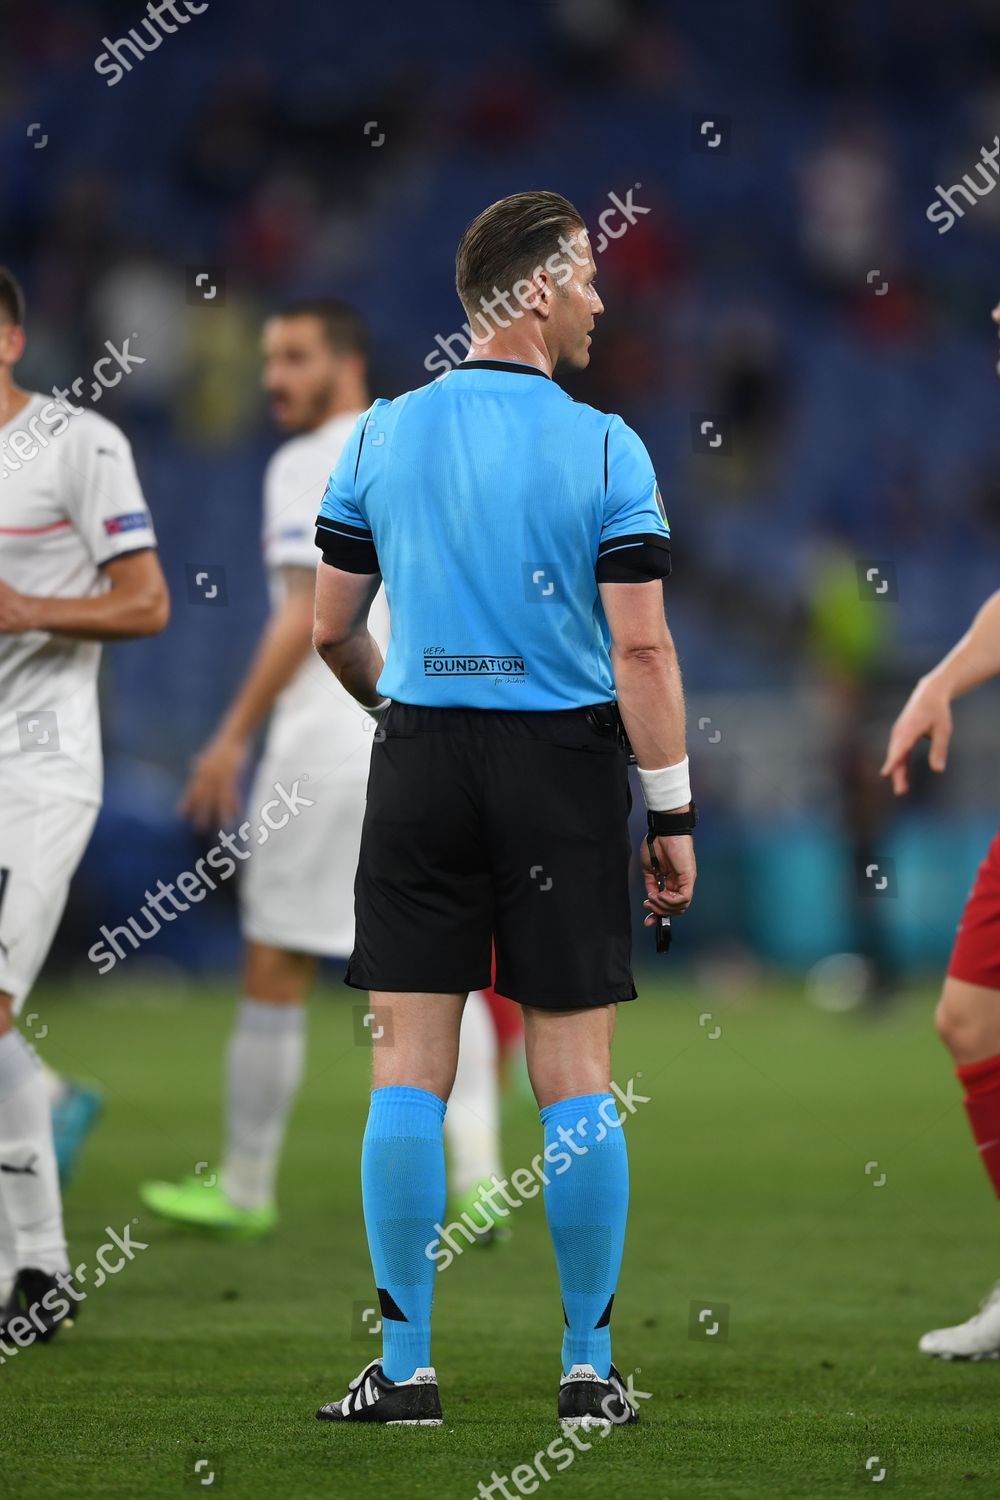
315, 721
70, 501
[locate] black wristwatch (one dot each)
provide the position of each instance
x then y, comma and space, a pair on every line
665, 825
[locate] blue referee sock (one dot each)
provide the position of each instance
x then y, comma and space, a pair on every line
403, 1191
586, 1204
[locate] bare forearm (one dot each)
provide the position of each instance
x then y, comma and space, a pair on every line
115, 616
283, 648
341, 634
356, 662
651, 701
976, 657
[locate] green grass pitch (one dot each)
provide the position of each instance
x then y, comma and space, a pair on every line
750, 1196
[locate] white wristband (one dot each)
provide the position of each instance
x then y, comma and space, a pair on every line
666, 788
379, 709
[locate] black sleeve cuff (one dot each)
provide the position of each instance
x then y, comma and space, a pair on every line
637, 558
351, 548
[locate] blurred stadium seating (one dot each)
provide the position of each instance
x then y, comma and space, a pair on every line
786, 285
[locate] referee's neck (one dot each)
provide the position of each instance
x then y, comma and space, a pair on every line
512, 351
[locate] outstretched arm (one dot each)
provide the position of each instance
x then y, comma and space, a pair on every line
927, 714
212, 793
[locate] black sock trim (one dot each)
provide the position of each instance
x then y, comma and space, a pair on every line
605, 1317
390, 1309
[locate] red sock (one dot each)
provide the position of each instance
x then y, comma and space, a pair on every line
981, 1081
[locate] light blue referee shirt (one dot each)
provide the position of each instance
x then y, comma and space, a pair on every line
492, 504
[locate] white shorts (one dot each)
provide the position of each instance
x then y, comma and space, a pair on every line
42, 839
297, 889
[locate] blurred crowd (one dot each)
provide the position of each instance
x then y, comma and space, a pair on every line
785, 286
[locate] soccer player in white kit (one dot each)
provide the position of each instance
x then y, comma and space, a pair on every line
297, 889
77, 567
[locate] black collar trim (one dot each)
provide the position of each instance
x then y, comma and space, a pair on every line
502, 364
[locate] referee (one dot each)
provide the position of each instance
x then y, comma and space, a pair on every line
522, 542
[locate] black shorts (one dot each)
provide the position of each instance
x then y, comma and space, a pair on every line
487, 826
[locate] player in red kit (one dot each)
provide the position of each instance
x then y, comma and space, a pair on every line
968, 1013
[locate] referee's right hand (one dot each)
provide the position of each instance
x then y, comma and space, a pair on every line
678, 872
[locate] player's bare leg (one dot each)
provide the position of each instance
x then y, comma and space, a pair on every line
277, 977
32, 1238
968, 1022
264, 1065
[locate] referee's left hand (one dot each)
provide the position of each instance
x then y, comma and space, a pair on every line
678, 871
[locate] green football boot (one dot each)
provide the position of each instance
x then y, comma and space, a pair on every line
489, 1227
200, 1203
